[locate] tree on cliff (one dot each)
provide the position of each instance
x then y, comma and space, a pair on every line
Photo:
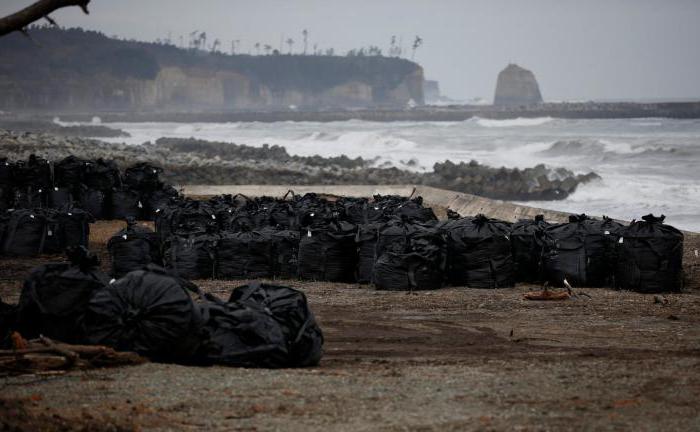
18, 21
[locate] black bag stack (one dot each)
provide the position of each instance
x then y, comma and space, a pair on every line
527, 245
366, 241
409, 257
650, 256
582, 251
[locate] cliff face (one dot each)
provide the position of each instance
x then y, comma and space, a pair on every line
75, 70
517, 86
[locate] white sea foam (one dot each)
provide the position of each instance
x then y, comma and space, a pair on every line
517, 122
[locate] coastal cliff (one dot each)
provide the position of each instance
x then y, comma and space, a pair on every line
76, 70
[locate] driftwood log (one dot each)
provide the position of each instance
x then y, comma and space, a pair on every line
44, 355
42, 9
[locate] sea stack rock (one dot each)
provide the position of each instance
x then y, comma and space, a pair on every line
517, 86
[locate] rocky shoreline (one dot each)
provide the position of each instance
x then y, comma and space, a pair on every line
191, 161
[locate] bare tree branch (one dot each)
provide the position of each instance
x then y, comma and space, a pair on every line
41, 9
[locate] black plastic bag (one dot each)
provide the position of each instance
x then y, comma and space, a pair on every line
133, 248
59, 197
125, 203
94, 202
149, 312
328, 254
240, 335
69, 172
74, 226
25, 233
190, 257
286, 253
244, 255
142, 176
291, 310
582, 252
156, 200
28, 197
527, 245
102, 175
366, 240
55, 296
409, 257
479, 253
34, 172
650, 257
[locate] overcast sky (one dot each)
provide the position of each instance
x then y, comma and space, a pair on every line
579, 50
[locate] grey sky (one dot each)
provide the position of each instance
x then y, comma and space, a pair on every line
578, 49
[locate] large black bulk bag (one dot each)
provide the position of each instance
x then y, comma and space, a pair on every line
413, 211
133, 248
286, 253
125, 203
242, 336
415, 262
59, 197
360, 211
582, 251
102, 175
291, 310
190, 257
329, 253
149, 312
157, 200
68, 172
94, 202
25, 233
186, 218
7, 170
142, 176
527, 245
74, 224
54, 242
366, 240
35, 172
6, 197
55, 296
650, 257
28, 197
244, 255
479, 253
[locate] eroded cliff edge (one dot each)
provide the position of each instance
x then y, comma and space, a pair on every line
76, 70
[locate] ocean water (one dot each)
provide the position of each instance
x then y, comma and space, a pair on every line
647, 165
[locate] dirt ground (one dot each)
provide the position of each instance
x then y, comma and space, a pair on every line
452, 359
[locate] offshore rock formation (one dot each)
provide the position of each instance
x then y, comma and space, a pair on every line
190, 161
76, 70
517, 86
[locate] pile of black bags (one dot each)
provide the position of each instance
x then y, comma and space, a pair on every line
164, 317
96, 186
397, 244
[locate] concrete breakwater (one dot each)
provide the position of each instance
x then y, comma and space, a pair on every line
190, 161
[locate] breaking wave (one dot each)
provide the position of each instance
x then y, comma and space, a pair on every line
517, 122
